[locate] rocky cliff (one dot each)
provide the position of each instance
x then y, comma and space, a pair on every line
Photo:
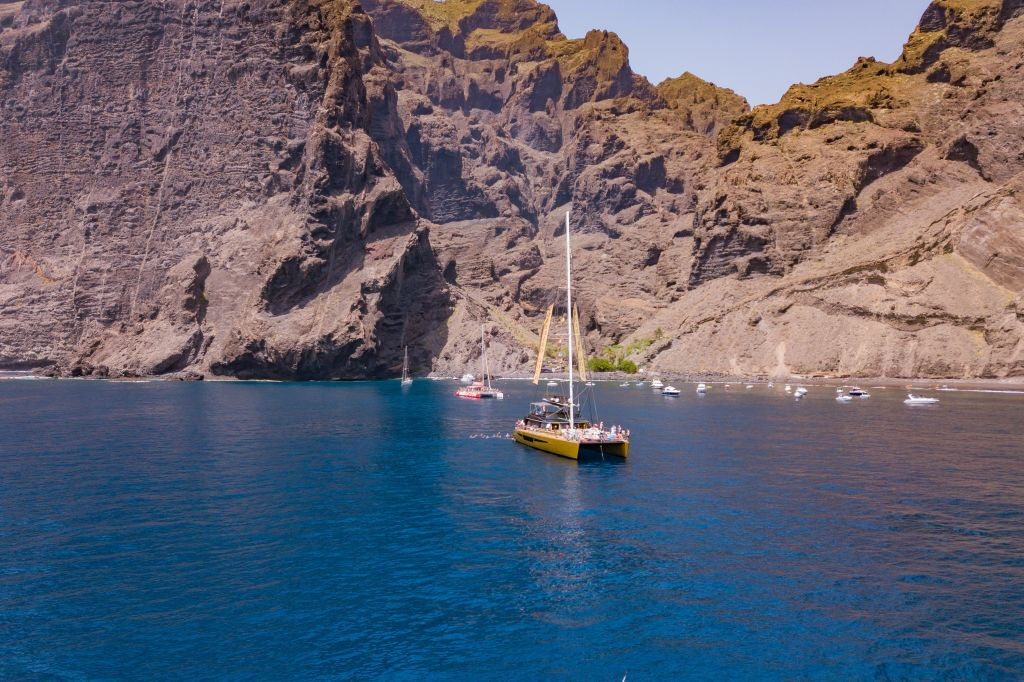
300, 188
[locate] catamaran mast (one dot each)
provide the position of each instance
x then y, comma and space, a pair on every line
568, 317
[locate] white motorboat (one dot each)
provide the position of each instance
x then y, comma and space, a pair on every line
702, 388
640, 384
552, 383
657, 384
750, 387
670, 390
859, 393
919, 400
590, 383
789, 389
467, 378
801, 392
624, 384
844, 399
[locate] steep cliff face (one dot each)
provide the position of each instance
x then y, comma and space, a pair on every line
195, 185
873, 218
299, 188
505, 123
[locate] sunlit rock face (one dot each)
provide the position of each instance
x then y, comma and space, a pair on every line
300, 189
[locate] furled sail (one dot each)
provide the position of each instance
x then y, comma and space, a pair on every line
542, 349
581, 357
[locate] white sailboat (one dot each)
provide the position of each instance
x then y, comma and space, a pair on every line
481, 390
406, 379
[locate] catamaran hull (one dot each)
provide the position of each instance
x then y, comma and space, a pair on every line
479, 396
571, 449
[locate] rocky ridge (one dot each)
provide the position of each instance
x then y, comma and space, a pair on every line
298, 189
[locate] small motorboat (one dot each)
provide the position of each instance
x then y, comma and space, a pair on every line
789, 389
702, 388
467, 378
591, 383
640, 384
800, 392
844, 399
750, 387
624, 384
552, 383
670, 391
859, 393
919, 400
657, 384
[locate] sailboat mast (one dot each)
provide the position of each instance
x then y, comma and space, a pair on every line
568, 317
483, 357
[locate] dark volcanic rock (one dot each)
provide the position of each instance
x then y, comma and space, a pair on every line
240, 130
300, 188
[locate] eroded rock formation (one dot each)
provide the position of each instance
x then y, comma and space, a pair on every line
300, 188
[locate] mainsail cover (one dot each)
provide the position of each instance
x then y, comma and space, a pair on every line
581, 357
542, 349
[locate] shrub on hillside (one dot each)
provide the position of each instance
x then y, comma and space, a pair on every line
600, 365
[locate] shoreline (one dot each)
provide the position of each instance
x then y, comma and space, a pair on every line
1011, 383
1007, 385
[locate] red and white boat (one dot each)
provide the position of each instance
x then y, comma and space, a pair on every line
481, 390
478, 390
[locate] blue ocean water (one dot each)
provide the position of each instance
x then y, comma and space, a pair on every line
363, 531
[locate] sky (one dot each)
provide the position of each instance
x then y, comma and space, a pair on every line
756, 47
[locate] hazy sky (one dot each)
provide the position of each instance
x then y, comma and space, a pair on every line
756, 47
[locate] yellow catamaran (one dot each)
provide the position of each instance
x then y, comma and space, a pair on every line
552, 424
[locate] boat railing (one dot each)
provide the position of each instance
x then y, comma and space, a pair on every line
591, 433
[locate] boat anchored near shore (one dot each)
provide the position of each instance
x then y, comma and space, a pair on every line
481, 390
553, 425
406, 377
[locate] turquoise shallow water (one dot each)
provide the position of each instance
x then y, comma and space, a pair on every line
272, 531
